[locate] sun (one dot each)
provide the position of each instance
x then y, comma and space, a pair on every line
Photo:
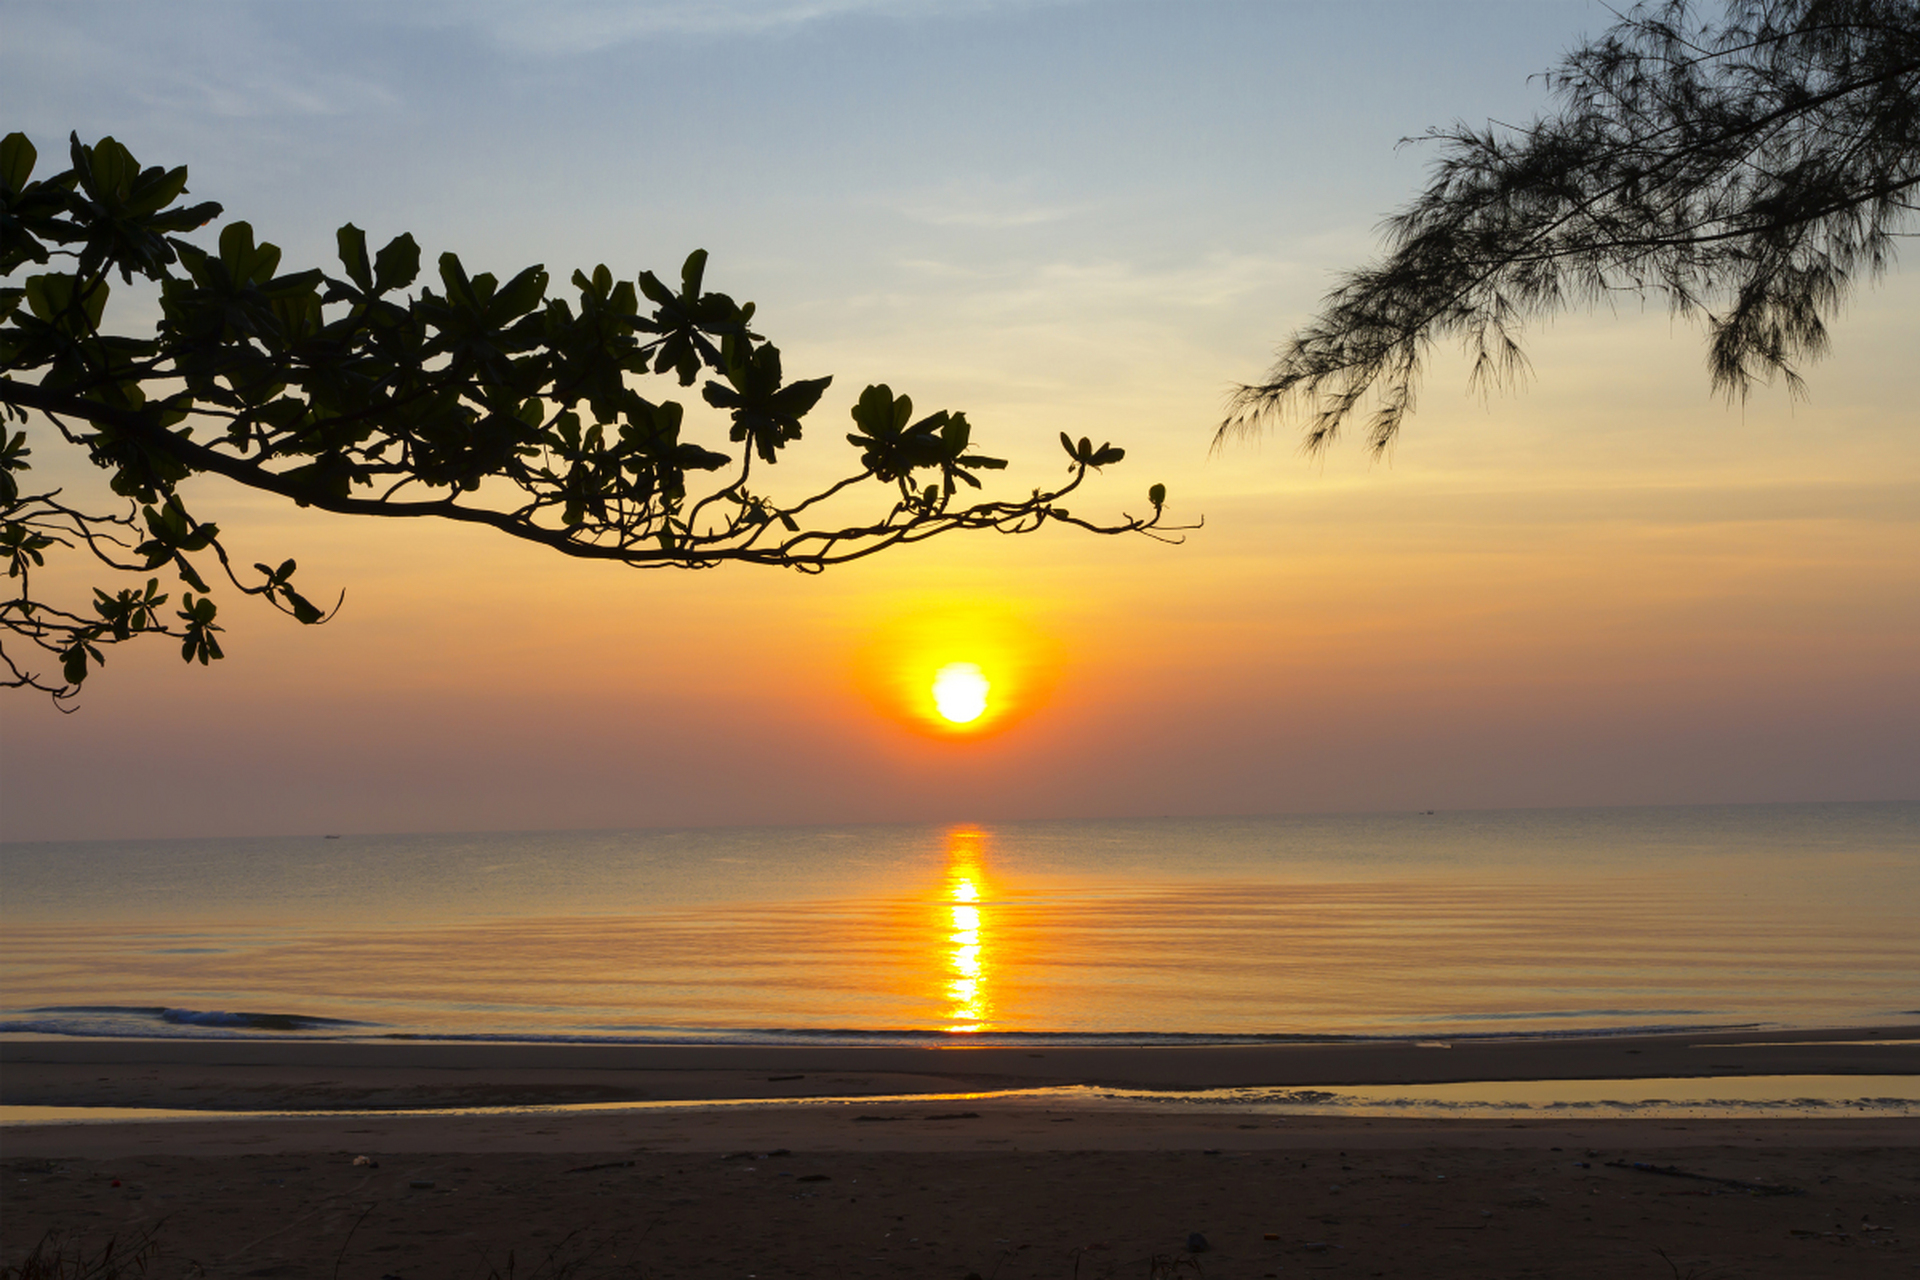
960, 692
960, 672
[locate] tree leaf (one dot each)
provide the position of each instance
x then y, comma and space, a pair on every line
17, 158
397, 265
692, 272
352, 242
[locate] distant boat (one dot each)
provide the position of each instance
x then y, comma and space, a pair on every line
330, 837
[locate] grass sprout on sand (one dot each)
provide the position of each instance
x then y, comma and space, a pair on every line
1699, 1271
1176, 1266
61, 1256
574, 1257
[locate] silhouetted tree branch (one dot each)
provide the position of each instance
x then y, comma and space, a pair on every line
1748, 168
485, 402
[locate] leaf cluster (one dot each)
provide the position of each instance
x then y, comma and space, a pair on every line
372, 388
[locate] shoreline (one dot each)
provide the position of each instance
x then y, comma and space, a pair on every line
977, 1125
327, 1075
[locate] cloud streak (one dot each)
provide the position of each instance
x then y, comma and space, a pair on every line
216, 62
592, 25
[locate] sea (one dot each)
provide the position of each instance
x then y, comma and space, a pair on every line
1436, 925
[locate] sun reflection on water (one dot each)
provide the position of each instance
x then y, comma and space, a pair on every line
969, 969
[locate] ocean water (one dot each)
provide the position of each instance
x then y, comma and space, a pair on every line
1539, 922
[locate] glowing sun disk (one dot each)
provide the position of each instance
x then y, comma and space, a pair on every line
960, 692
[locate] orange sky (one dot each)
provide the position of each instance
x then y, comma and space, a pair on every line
1532, 605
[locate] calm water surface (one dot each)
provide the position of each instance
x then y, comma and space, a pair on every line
1417, 924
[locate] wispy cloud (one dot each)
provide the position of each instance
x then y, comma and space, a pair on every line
1088, 343
222, 62
1067, 287
587, 25
982, 203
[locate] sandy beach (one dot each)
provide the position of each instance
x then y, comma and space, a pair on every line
936, 1186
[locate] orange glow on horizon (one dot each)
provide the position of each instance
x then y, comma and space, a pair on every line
960, 672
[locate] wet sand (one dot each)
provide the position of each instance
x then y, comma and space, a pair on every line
227, 1075
1001, 1188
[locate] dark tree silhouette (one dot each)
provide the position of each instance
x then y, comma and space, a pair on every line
1749, 168
486, 402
